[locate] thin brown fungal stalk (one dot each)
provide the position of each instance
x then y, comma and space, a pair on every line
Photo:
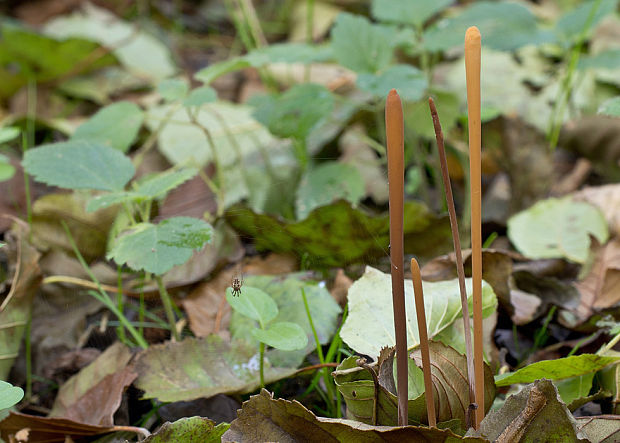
454, 227
472, 72
394, 128
426, 356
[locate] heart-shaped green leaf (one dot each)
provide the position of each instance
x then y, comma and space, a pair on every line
157, 248
285, 336
9, 395
253, 303
79, 164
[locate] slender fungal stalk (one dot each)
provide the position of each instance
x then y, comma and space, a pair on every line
426, 357
472, 71
457, 251
167, 302
396, 176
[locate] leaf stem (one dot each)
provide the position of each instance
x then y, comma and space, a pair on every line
426, 359
261, 354
395, 143
454, 227
167, 302
472, 71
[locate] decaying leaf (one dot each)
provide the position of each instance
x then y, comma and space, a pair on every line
190, 429
600, 289
607, 199
264, 418
196, 368
534, 414
51, 430
600, 429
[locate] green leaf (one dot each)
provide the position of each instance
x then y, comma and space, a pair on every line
360, 45
609, 59
7, 170
157, 248
338, 233
285, 336
8, 133
78, 164
173, 89
557, 228
407, 12
370, 323
200, 96
288, 53
42, 58
160, 184
116, 125
234, 133
138, 51
558, 369
575, 388
106, 200
410, 82
517, 27
9, 395
328, 182
189, 429
610, 107
211, 72
297, 111
286, 293
418, 117
195, 368
572, 24
253, 303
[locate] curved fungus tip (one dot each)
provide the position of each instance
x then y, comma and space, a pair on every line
472, 35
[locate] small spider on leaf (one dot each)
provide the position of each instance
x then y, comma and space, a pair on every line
236, 284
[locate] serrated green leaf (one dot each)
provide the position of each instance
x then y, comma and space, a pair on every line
253, 303
200, 96
9, 395
359, 45
8, 133
370, 323
107, 200
173, 89
326, 183
517, 27
297, 111
157, 248
557, 369
610, 107
414, 13
162, 183
410, 82
418, 117
285, 336
78, 164
557, 228
116, 125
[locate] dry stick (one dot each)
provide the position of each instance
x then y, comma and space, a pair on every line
426, 358
396, 176
472, 72
459, 258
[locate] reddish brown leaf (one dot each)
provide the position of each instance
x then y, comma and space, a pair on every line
47, 430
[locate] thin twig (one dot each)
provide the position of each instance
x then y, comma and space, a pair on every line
395, 143
457, 250
426, 358
472, 71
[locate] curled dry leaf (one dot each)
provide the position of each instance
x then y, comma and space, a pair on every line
263, 418
607, 199
600, 289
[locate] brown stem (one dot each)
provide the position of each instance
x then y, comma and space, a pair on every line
426, 358
457, 250
472, 72
396, 177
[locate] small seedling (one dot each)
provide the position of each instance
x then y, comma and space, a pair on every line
259, 306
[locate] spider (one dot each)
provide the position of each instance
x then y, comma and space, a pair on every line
236, 284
